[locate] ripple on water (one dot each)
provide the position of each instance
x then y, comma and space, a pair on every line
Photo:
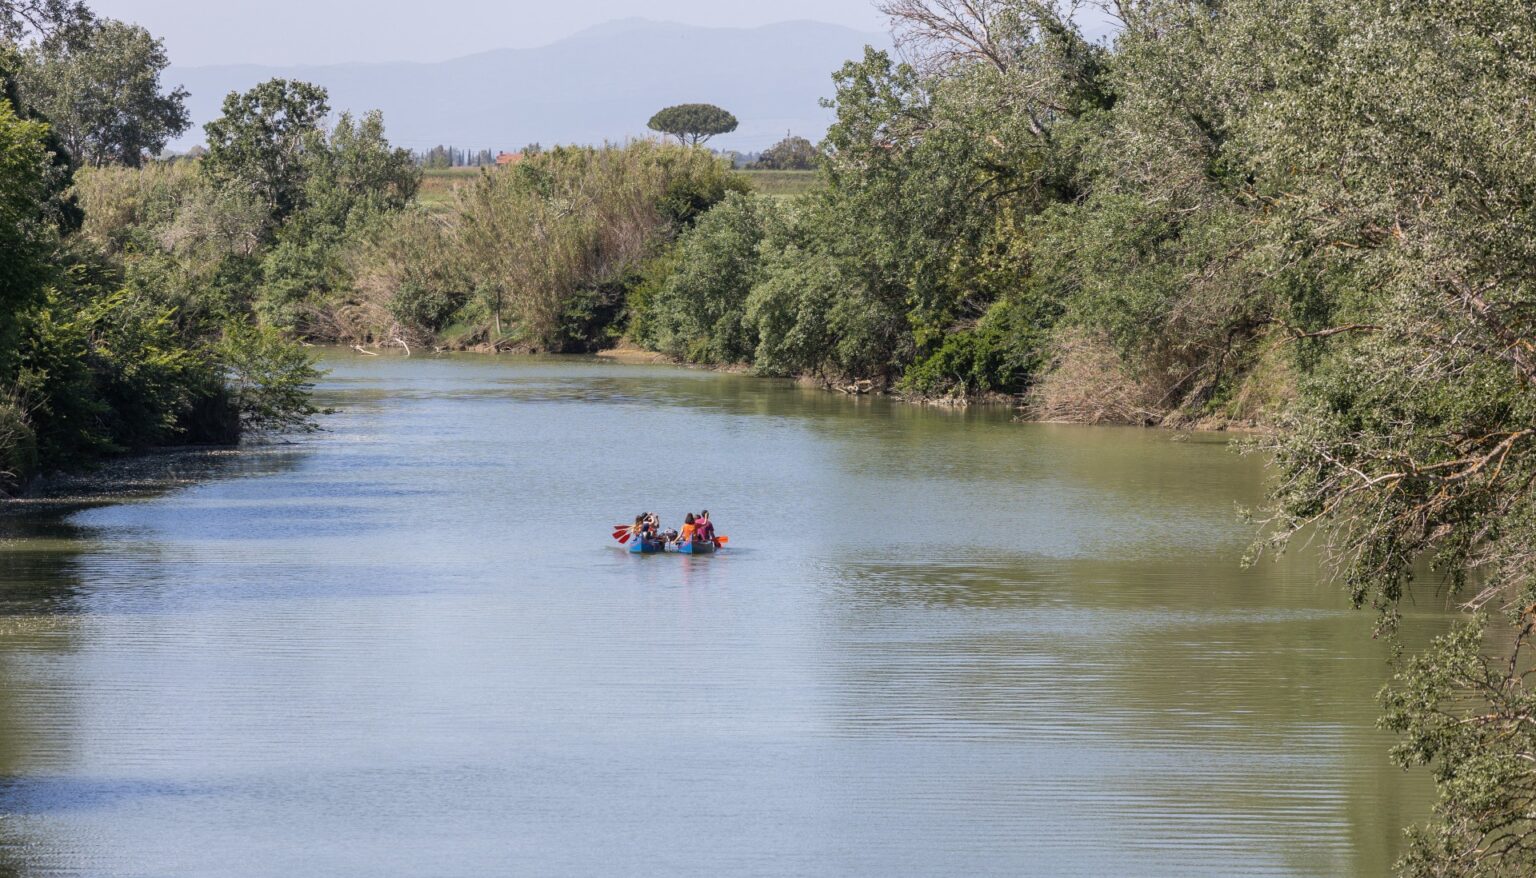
941, 644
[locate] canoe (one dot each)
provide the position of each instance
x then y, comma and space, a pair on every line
646, 547
701, 547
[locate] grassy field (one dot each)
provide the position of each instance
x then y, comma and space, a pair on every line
783, 183
437, 184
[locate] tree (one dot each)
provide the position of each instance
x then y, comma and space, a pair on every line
354, 167
698, 314
21, 17
350, 176
1396, 144
99, 85
790, 154
26, 238
258, 144
693, 124
269, 379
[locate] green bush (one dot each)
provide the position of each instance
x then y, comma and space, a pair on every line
593, 318
108, 374
270, 378
699, 314
1003, 353
418, 305
650, 279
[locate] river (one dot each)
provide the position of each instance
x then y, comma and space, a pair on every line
940, 643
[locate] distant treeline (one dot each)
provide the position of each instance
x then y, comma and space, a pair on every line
454, 157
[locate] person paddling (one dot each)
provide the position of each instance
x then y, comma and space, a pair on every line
690, 525
703, 528
654, 520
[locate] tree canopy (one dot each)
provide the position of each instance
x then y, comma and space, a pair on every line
258, 143
790, 154
25, 236
693, 124
99, 85
21, 17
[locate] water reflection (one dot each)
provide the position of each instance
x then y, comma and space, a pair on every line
941, 644
1212, 708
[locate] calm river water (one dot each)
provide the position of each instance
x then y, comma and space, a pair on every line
941, 644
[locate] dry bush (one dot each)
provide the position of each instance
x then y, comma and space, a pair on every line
1090, 383
18, 447
534, 234
209, 224
169, 206
408, 280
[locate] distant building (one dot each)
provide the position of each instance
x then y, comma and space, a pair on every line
508, 158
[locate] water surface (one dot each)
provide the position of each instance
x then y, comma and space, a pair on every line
941, 643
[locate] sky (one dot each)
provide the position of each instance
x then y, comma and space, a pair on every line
285, 32
201, 32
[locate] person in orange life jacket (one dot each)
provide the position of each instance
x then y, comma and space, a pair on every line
689, 526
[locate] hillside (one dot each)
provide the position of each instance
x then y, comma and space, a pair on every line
601, 84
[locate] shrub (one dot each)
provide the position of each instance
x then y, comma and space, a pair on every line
1089, 382
18, 445
700, 312
270, 379
542, 237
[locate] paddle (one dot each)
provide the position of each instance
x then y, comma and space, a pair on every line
720, 541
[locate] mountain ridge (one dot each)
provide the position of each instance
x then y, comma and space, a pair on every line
598, 85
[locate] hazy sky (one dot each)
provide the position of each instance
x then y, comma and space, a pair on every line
198, 32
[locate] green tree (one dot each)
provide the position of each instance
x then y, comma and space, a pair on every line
27, 240
99, 85
21, 17
258, 144
790, 154
270, 378
354, 168
699, 314
693, 124
1393, 140
351, 177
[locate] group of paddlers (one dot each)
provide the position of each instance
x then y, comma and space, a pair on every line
696, 528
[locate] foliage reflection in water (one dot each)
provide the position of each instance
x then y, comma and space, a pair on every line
942, 643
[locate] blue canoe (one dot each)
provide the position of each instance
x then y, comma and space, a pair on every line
700, 547
647, 547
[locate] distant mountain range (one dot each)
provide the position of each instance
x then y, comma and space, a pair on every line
599, 85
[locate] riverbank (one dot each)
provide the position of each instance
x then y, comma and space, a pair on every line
132, 477
1026, 408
